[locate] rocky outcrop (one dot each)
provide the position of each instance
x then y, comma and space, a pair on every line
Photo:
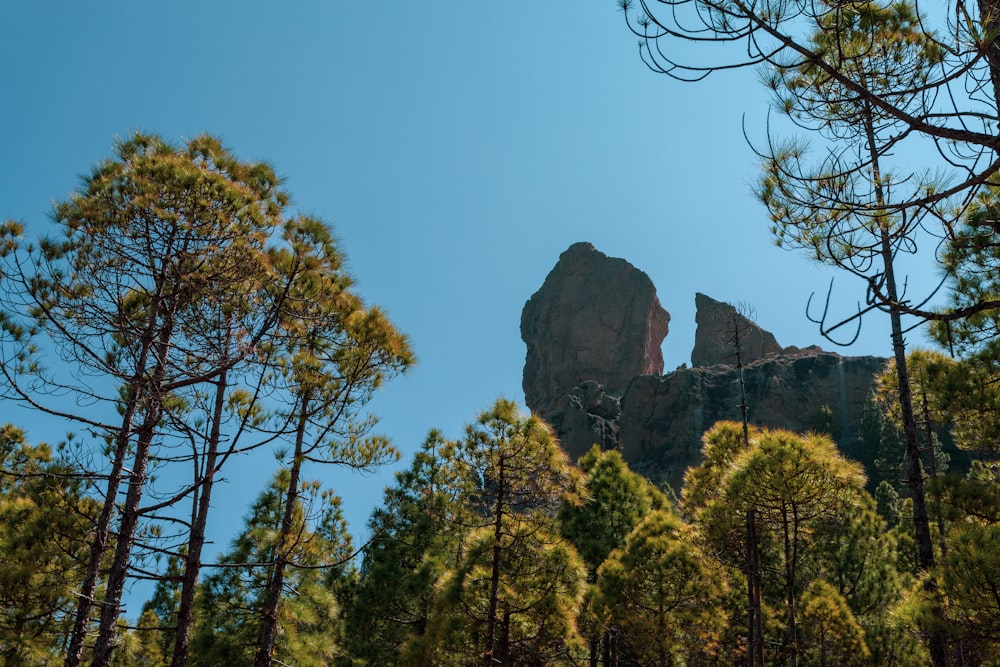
723, 331
586, 416
595, 318
663, 417
594, 370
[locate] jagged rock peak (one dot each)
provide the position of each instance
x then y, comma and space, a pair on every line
595, 318
720, 326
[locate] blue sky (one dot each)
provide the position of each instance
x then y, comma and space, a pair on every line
456, 149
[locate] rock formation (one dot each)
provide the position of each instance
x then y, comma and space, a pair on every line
595, 318
663, 418
594, 370
720, 328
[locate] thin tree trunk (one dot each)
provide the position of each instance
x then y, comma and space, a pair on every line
111, 606
102, 531
929, 435
491, 623
99, 543
914, 466
269, 615
504, 648
751, 606
790, 556
118, 573
755, 621
138, 389
662, 635
203, 499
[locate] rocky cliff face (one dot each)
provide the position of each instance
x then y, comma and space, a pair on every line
663, 418
592, 371
723, 331
595, 318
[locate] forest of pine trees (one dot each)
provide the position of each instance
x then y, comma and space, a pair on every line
495, 549
181, 318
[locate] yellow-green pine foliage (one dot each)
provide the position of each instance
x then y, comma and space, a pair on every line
615, 500
540, 595
813, 521
230, 599
514, 586
415, 536
970, 581
830, 635
663, 594
44, 524
960, 395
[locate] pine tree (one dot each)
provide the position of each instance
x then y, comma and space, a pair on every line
830, 634
45, 518
155, 240
231, 600
615, 501
415, 537
514, 586
663, 594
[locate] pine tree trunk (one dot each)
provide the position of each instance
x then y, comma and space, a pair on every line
790, 544
192, 562
914, 464
99, 543
102, 531
105, 643
755, 623
491, 623
269, 615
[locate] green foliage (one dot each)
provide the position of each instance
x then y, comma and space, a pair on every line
813, 521
466, 560
512, 464
45, 519
415, 537
970, 573
662, 594
331, 351
970, 498
858, 558
334, 355
615, 500
888, 504
230, 600
830, 634
141, 646
161, 609
721, 445
825, 422
882, 446
971, 259
185, 310
515, 479
836, 208
157, 283
960, 395
158, 240
540, 592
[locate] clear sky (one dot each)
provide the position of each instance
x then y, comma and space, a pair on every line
456, 148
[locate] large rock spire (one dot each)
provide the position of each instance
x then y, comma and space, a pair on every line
595, 318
